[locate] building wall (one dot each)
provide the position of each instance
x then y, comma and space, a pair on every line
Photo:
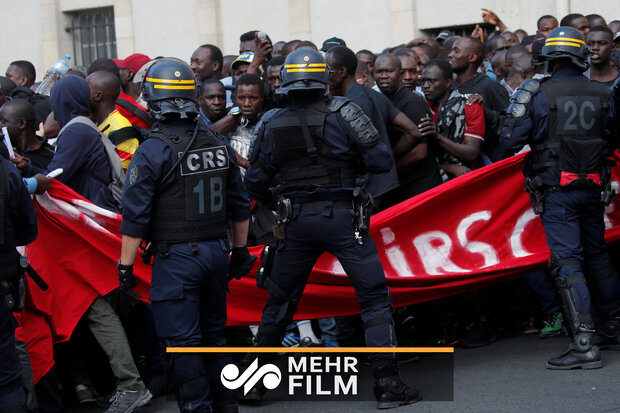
161, 28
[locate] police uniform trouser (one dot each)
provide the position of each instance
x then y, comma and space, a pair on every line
574, 227
12, 395
188, 295
308, 235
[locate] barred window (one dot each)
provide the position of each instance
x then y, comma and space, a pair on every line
93, 35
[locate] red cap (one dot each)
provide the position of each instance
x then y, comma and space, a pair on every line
132, 62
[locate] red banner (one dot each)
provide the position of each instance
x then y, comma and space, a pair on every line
470, 232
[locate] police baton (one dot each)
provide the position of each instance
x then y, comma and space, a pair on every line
23, 263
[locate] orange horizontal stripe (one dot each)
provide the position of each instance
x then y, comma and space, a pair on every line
563, 39
174, 81
563, 44
309, 349
305, 70
174, 87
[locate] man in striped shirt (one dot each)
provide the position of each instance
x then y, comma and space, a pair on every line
104, 90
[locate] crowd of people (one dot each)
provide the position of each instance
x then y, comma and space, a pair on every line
264, 148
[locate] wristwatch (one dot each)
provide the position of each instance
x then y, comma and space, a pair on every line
235, 111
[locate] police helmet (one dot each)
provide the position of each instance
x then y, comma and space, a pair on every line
303, 69
566, 42
169, 88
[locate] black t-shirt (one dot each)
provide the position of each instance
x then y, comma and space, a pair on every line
496, 101
423, 174
381, 112
41, 156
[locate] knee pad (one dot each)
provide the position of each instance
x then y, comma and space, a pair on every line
577, 316
556, 263
273, 327
378, 321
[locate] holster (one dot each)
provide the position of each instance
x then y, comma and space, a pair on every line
263, 274
608, 194
362, 203
534, 188
12, 292
284, 214
266, 260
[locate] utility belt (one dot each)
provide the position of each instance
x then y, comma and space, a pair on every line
359, 203
162, 248
537, 192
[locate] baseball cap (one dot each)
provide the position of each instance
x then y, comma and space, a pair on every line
132, 62
245, 57
443, 35
331, 42
616, 37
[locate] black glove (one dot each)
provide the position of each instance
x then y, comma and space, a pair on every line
241, 262
127, 281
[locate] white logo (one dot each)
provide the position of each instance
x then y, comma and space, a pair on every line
269, 373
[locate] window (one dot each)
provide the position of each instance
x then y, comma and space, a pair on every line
93, 35
464, 30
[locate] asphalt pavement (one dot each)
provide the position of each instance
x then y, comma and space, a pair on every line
507, 376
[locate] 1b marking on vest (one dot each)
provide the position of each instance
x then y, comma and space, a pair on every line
204, 160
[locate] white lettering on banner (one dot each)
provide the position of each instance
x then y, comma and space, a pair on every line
395, 255
515, 239
489, 254
337, 268
436, 258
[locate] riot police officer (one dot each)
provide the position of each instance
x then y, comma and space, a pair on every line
18, 226
182, 189
319, 146
567, 120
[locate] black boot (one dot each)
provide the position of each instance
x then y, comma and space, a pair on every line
580, 354
390, 391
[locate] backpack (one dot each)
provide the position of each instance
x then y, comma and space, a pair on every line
117, 172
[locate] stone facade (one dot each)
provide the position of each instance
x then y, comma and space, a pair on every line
164, 28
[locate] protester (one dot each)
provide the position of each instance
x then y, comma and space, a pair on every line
418, 171
127, 103
600, 46
104, 91
466, 57
458, 128
212, 101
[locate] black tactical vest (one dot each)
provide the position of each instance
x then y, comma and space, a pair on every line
576, 148
8, 253
296, 136
192, 204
